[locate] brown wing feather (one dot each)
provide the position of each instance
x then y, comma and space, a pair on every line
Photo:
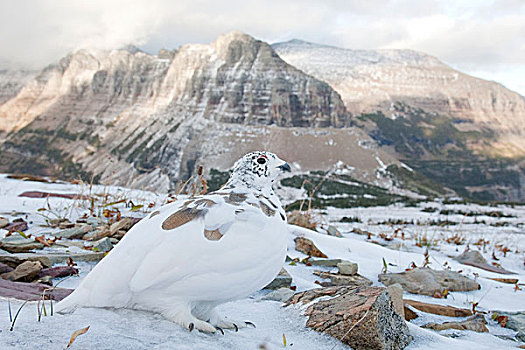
181, 217
213, 235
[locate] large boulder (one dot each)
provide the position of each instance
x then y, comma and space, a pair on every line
363, 318
430, 282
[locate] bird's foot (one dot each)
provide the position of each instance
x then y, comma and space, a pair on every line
231, 324
201, 326
191, 323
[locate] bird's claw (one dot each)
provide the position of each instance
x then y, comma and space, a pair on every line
236, 328
220, 330
191, 326
248, 323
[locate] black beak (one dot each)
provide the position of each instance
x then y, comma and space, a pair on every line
285, 167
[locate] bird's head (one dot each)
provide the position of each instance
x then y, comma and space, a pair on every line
257, 170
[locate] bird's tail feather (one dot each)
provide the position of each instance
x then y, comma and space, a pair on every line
69, 304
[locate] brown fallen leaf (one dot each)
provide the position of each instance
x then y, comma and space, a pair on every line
76, 334
42, 239
70, 262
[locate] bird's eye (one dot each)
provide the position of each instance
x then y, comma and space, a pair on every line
261, 160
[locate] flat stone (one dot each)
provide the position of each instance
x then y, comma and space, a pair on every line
475, 259
97, 234
25, 272
58, 271
361, 232
70, 243
283, 280
48, 260
325, 262
430, 282
333, 231
306, 246
102, 245
5, 268
368, 313
516, 322
347, 268
18, 244
65, 225
344, 280
302, 219
475, 323
76, 232
395, 291
409, 314
95, 222
20, 225
505, 280
31, 291
125, 224
436, 309
281, 294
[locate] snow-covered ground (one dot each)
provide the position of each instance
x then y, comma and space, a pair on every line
128, 329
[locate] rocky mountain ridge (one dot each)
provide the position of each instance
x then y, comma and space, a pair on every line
376, 80
127, 117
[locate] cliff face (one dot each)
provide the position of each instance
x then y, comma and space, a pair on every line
372, 80
12, 81
131, 118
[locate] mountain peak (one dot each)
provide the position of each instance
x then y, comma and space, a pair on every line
235, 35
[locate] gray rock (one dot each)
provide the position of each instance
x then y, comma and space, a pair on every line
516, 322
333, 231
48, 259
307, 246
325, 262
124, 224
95, 222
283, 280
347, 268
430, 282
25, 272
103, 245
281, 294
5, 268
521, 336
476, 323
18, 244
344, 280
368, 312
474, 258
76, 232
395, 291
99, 233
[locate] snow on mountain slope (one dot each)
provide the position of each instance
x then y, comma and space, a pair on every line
371, 80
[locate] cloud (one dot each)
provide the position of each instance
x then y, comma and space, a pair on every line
474, 35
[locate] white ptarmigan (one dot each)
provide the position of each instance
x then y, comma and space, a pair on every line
194, 254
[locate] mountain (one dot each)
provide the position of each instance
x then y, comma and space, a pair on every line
463, 132
12, 81
379, 80
127, 117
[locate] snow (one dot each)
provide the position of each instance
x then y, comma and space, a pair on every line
121, 329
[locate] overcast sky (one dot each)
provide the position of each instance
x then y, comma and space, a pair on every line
480, 37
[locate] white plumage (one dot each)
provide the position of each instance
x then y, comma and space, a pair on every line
194, 254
